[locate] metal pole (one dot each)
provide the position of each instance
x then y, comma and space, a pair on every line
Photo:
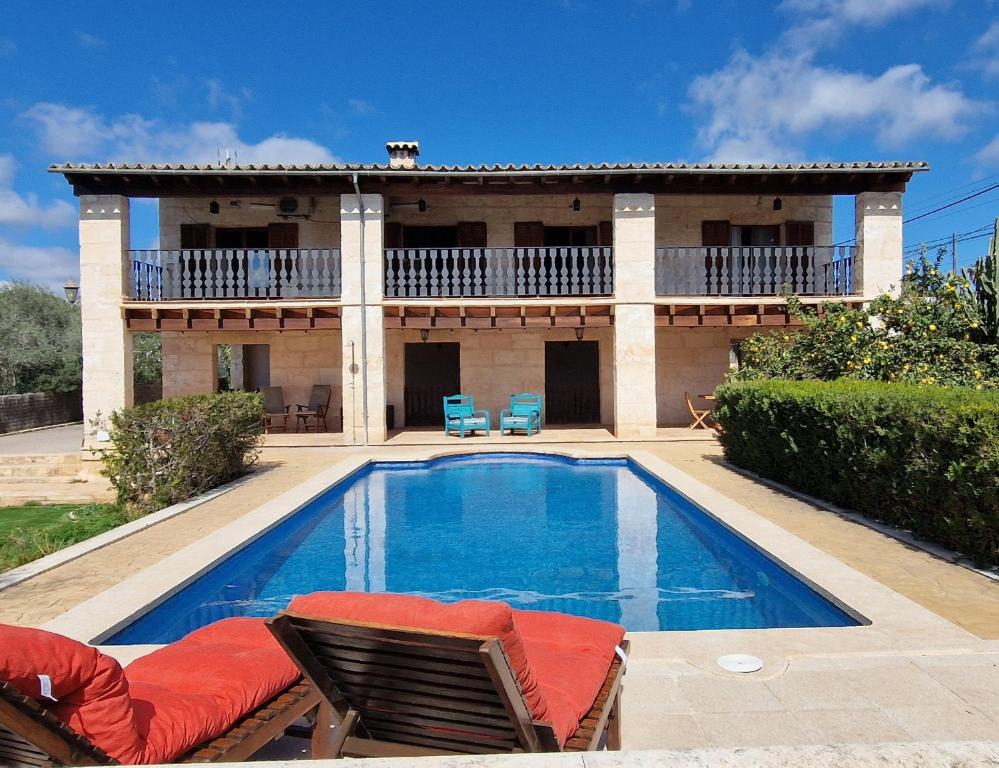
953, 252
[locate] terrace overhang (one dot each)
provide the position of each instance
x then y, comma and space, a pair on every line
240, 181
229, 316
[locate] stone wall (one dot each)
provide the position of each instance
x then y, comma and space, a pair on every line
679, 217
693, 360
496, 364
298, 359
500, 212
322, 230
39, 409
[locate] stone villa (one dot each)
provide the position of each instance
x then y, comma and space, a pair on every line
611, 289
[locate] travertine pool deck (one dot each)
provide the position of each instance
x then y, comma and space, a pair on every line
927, 668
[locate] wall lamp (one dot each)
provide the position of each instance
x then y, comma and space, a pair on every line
576, 205
214, 208
579, 333
424, 334
778, 203
72, 291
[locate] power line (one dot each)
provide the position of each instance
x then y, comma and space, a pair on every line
920, 203
979, 193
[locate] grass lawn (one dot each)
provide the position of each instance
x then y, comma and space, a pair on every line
35, 530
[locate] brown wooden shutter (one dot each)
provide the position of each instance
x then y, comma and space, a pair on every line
195, 236
282, 235
528, 234
799, 233
715, 233
472, 234
605, 235
392, 234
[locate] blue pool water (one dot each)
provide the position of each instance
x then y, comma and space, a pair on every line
593, 538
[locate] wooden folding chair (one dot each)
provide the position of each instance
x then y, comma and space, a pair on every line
30, 735
392, 692
699, 414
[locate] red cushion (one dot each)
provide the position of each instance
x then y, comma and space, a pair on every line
571, 656
467, 617
198, 687
91, 690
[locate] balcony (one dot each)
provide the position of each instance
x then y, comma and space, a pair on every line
257, 273
754, 271
498, 272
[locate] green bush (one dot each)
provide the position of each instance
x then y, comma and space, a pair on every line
921, 458
926, 335
170, 450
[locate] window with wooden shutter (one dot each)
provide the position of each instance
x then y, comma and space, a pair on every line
715, 233
282, 235
392, 234
195, 236
528, 234
605, 233
799, 233
472, 234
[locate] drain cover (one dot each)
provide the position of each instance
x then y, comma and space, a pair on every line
740, 662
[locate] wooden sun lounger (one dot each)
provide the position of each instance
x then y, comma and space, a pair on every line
395, 693
30, 735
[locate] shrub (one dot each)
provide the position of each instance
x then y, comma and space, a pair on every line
169, 450
921, 458
923, 336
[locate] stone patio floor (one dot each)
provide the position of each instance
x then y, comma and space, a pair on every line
937, 686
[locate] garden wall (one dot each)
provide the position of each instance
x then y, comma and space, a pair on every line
39, 409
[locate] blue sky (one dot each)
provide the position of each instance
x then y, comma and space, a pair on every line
543, 80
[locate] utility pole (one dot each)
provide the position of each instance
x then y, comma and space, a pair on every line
953, 252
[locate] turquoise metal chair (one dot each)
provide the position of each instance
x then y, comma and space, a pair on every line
461, 416
524, 413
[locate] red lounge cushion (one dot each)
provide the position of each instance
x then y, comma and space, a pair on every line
560, 661
571, 656
467, 617
197, 688
91, 690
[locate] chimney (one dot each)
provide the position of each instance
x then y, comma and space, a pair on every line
402, 154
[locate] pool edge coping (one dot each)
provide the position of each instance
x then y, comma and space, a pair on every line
104, 614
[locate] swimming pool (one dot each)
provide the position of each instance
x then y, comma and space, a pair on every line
599, 538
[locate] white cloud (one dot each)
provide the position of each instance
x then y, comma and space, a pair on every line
361, 107
23, 212
220, 97
87, 40
860, 12
755, 107
50, 266
985, 51
989, 154
818, 23
82, 134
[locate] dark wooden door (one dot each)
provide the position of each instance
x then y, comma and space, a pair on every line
572, 382
432, 372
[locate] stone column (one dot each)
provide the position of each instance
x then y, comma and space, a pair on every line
634, 316
878, 267
355, 367
104, 281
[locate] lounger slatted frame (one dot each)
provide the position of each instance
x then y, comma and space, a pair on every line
31, 735
391, 692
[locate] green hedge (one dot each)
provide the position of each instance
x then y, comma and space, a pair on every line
170, 450
925, 459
